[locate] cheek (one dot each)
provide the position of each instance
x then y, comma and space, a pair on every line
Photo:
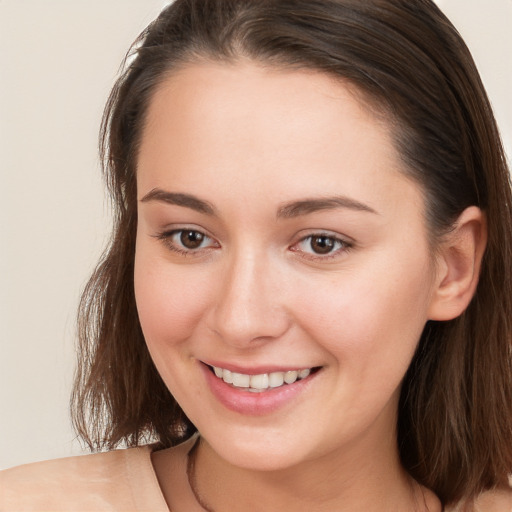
170, 300
170, 303
371, 319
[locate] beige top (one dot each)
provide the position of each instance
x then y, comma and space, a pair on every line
120, 480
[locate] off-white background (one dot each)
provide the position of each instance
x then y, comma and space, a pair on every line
58, 60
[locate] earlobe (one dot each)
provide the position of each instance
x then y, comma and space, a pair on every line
459, 259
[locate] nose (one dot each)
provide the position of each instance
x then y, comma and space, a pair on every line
249, 307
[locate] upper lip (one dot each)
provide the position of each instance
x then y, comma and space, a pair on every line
257, 369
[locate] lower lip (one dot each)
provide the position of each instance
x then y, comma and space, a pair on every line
254, 404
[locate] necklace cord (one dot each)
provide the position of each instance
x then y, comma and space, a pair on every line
191, 476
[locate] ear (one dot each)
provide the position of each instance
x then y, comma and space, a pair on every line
458, 265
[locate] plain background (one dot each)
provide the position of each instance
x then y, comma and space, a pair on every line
59, 59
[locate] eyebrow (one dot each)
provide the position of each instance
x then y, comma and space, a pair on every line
306, 206
286, 211
179, 199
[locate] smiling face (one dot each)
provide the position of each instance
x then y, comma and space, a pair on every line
277, 234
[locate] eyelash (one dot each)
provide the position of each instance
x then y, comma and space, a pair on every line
167, 238
343, 245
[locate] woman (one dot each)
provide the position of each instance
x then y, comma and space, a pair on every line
305, 303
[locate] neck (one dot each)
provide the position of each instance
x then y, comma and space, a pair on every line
342, 482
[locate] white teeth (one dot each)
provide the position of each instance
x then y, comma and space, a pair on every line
227, 376
304, 373
276, 379
290, 377
240, 380
261, 382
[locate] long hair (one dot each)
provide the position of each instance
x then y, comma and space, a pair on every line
407, 61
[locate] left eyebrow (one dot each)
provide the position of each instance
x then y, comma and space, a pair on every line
186, 200
306, 206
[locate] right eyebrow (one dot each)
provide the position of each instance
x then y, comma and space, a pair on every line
311, 205
179, 199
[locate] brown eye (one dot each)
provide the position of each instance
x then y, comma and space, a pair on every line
187, 242
191, 239
322, 244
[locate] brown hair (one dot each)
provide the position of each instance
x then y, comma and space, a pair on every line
455, 414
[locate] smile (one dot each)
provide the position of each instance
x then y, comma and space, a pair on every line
261, 382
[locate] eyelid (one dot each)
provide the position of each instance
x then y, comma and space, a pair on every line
166, 237
346, 242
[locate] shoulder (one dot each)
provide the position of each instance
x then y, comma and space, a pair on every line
499, 500
101, 481
496, 500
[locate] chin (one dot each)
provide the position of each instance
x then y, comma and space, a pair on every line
258, 450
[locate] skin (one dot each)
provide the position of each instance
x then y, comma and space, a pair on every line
249, 142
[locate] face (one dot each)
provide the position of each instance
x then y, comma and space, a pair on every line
278, 241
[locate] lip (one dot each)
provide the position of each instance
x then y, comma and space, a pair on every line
254, 404
253, 370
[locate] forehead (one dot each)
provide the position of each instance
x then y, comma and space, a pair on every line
269, 99
238, 126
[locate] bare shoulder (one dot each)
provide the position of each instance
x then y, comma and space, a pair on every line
498, 500
60, 468
91, 480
